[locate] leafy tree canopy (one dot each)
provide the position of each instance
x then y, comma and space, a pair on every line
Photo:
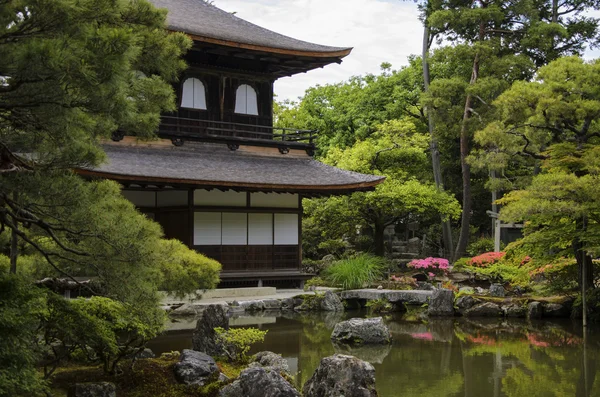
398, 152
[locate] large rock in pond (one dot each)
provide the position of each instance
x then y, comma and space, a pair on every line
341, 375
487, 309
196, 368
373, 354
441, 303
556, 310
100, 389
515, 310
259, 382
535, 310
465, 302
331, 303
358, 331
272, 360
204, 338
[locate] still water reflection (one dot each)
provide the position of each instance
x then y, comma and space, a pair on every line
456, 357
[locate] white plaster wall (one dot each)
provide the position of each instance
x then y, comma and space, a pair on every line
276, 200
218, 198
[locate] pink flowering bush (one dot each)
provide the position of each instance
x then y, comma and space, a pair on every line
431, 266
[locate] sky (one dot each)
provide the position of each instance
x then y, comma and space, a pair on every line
379, 30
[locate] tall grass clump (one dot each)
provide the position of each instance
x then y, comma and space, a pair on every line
356, 272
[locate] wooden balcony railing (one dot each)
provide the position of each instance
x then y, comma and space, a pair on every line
180, 129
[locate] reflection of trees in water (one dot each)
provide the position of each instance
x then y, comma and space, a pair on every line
530, 361
459, 358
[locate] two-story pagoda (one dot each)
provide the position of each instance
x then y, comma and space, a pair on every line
221, 178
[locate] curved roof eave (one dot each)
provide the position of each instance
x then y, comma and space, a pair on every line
323, 189
205, 22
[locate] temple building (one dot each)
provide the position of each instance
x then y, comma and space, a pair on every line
221, 178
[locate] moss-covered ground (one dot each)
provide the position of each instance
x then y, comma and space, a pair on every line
148, 377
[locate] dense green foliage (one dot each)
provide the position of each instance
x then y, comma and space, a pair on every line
355, 272
396, 151
554, 119
100, 329
237, 342
20, 306
73, 72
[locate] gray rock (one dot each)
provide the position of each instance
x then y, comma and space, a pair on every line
99, 389
223, 378
271, 360
331, 303
204, 338
467, 290
195, 368
252, 306
515, 310
497, 290
535, 310
271, 304
374, 354
259, 382
465, 302
441, 303
425, 286
412, 297
487, 309
556, 310
188, 310
480, 291
328, 259
146, 353
359, 331
341, 375
287, 304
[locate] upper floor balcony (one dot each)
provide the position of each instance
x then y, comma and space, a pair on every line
180, 129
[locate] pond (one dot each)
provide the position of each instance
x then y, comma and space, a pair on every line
449, 357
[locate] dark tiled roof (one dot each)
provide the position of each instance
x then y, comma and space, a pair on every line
215, 165
196, 17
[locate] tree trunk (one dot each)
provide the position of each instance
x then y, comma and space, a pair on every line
433, 145
378, 238
14, 248
584, 260
465, 221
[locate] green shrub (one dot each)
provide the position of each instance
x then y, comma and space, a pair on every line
185, 271
356, 272
461, 264
238, 341
480, 246
314, 282
109, 329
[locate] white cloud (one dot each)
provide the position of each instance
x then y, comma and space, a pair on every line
380, 31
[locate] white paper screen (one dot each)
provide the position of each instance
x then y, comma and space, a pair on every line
207, 228
286, 229
260, 229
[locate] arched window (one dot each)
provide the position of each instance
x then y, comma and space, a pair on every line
245, 100
193, 95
